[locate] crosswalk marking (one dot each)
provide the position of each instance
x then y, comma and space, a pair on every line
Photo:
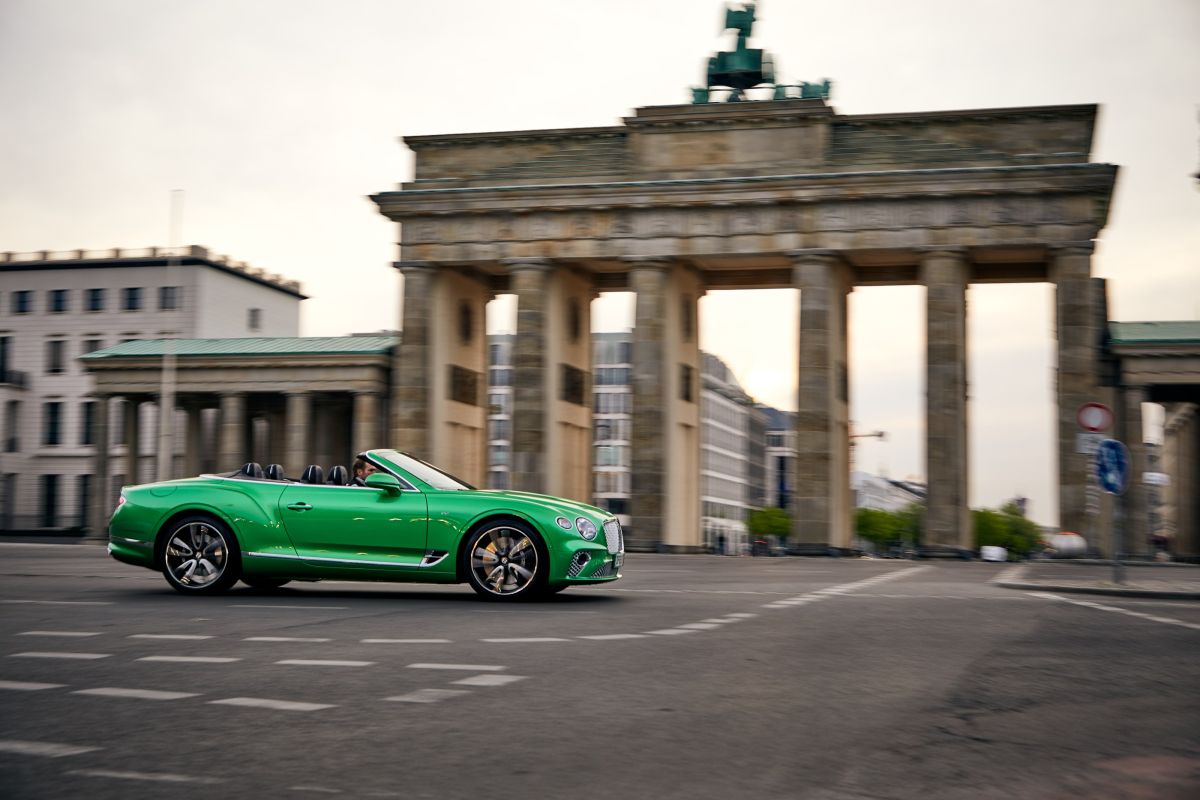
64, 634
191, 659
427, 695
464, 667
319, 662
139, 694
76, 656
489, 679
277, 705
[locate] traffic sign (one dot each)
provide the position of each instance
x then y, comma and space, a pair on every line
1094, 417
1112, 466
1087, 442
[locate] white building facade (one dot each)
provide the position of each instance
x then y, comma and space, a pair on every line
55, 307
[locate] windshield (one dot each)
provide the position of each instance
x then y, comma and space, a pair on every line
425, 472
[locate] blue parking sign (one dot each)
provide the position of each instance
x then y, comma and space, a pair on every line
1112, 466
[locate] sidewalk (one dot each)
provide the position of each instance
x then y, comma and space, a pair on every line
1167, 581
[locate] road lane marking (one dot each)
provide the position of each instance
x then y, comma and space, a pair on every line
1117, 610
195, 636
58, 602
673, 631
721, 620
277, 705
284, 639
316, 789
701, 626
139, 694
489, 680
158, 777
525, 640
48, 749
76, 656
317, 662
842, 590
406, 641
26, 686
264, 605
427, 695
742, 615
66, 634
191, 659
607, 636
466, 667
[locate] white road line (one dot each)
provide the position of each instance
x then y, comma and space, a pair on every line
67, 634
191, 659
1117, 610
489, 680
196, 636
466, 667
742, 615
721, 620
525, 640
317, 662
140, 694
77, 656
24, 686
264, 605
607, 636
157, 777
776, 605
316, 789
672, 631
427, 695
284, 639
701, 626
58, 602
277, 705
406, 641
48, 749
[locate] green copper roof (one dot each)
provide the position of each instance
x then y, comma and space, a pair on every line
1179, 332
258, 346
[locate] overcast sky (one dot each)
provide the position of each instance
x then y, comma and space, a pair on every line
279, 117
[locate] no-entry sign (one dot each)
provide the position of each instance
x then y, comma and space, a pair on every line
1094, 417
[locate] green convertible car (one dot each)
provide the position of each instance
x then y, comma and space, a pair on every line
408, 521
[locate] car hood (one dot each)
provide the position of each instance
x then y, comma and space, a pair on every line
556, 504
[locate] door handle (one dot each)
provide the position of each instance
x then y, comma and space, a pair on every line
300, 506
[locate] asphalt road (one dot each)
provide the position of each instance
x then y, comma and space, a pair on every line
692, 677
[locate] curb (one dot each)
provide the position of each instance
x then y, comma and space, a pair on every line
1112, 592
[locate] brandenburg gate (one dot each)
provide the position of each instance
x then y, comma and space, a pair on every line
681, 199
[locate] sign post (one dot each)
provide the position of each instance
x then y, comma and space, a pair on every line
1094, 419
1112, 473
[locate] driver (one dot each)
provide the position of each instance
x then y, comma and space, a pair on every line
362, 468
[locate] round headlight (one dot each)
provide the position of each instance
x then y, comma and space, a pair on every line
586, 528
564, 523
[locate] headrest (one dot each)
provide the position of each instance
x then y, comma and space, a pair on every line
338, 476
313, 474
275, 472
252, 469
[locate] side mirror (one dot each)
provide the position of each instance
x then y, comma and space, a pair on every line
384, 481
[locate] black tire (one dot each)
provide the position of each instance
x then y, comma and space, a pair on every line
265, 584
506, 561
220, 557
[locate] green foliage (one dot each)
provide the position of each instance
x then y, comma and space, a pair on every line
1005, 528
890, 528
770, 522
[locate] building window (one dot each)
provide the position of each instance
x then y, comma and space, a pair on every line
87, 425
52, 423
498, 429
94, 299
168, 298
12, 416
574, 385
131, 298
687, 380
574, 320
85, 499
49, 497
58, 301
497, 455
91, 346
22, 302
55, 350
464, 385
466, 323
254, 319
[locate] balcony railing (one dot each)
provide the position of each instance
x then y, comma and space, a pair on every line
14, 377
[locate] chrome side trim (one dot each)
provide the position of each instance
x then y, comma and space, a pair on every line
433, 558
355, 561
134, 542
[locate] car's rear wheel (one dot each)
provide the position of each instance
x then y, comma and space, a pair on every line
506, 561
200, 556
265, 584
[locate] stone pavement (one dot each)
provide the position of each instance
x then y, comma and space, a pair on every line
1169, 581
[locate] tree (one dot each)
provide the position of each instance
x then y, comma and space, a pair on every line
770, 522
880, 527
1006, 528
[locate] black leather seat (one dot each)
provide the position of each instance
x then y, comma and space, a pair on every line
313, 474
275, 472
252, 469
338, 476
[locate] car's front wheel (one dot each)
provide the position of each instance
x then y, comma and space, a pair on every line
506, 561
200, 556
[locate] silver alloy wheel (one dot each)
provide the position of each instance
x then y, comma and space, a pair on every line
504, 560
196, 555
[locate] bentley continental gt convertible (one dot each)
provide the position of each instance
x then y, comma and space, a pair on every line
409, 521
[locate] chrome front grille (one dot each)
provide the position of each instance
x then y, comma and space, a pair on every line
613, 537
578, 563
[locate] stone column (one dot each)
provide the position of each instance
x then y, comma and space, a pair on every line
945, 274
1078, 344
1136, 540
100, 510
133, 440
299, 420
193, 454
821, 499
412, 380
231, 451
648, 280
366, 421
528, 464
